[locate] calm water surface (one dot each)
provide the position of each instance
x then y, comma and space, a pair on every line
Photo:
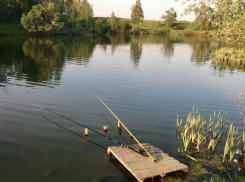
145, 80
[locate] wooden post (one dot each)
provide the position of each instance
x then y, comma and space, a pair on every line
105, 128
119, 132
108, 152
119, 125
86, 131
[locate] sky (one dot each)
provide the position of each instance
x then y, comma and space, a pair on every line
153, 9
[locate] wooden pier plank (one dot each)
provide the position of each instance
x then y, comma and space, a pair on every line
143, 167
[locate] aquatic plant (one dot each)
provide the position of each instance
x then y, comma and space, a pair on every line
232, 142
229, 54
243, 138
178, 124
200, 138
212, 143
186, 139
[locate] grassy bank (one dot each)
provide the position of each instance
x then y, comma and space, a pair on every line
147, 26
158, 27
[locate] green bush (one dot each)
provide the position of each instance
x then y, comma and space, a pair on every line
162, 30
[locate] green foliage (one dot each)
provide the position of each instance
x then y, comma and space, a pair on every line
231, 55
113, 22
102, 27
170, 17
204, 18
44, 17
33, 21
137, 14
228, 16
85, 10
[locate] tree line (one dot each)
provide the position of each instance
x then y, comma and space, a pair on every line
51, 16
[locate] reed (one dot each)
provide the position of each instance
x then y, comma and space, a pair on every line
186, 139
234, 141
212, 144
178, 124
227, 148
200, 139
231, 56
243, 137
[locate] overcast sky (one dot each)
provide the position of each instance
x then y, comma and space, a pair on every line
153, 9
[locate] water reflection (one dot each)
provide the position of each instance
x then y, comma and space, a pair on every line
47, 59
42, 60
135, 51
79, 50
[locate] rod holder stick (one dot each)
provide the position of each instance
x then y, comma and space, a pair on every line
127, 129
119, 125
86, 131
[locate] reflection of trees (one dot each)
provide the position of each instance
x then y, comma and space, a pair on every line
80, 49
135, 52
3, 76
11, 58
168, 46
48, 59
202, 49
117, 40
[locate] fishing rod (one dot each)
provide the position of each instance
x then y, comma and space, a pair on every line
74, 133
107, 137
127, 129
112, 126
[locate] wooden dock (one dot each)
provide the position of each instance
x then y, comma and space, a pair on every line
143, 167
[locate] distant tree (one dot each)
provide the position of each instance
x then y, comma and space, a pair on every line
113, 22
81, 15
85, 10
43, 17
170, 17
137, 14
102, 27
204, 18
123, 26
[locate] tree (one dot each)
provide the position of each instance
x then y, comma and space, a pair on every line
137, 14
204, 18
102, 27
85, 10
43, 17
170, 17
113, 22
228, 16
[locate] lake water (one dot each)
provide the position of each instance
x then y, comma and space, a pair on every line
146, 80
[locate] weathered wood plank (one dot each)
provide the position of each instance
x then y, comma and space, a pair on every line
144, 167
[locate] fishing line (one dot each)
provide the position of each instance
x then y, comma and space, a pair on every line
90, 129
75, 133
